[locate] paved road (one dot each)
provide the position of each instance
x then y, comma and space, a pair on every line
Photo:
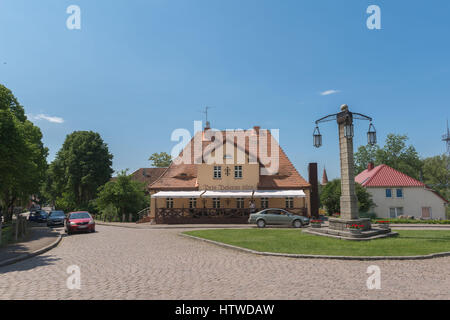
125, 263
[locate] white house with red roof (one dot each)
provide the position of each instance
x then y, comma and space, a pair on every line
397, 194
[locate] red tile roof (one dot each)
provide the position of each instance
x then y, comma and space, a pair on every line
385, 176
184, 176
147, 175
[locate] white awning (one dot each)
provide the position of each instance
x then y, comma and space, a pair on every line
228, 194
279, 194
178, 194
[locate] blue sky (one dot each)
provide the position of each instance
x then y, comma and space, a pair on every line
139, 69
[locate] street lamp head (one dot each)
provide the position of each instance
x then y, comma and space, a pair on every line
348, 130
317, 138
372, 135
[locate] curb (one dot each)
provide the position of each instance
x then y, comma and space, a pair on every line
156, 227
32, 254
379, 236
310, 256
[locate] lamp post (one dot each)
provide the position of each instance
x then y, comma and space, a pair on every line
348, 200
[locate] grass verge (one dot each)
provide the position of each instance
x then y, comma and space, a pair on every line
7, 236
408, 243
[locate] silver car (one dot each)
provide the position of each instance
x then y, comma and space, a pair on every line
277, 217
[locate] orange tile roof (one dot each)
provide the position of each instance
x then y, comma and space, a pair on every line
184, 176
385, 176
147, 175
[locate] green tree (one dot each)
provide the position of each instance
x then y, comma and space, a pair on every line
331, 194
160, 160
395, 153
81, 166
364, 156
124, 194
436, 175
22, 155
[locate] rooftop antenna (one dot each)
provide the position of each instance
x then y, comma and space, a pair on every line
207, 124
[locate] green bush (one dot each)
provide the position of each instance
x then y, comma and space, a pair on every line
7, 235
370, 215
109, 213
330, 197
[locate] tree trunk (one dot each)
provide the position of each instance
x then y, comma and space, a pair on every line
16, 236
1, 222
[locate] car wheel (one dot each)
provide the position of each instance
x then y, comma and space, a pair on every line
297, 224
261, 223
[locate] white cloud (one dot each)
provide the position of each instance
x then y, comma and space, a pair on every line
328, 92
47, 118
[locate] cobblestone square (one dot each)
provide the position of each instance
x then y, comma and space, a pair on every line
127, 263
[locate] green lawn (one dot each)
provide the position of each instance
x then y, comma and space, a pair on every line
408, 243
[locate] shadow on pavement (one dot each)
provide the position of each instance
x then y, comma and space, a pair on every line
28, 264
38, 238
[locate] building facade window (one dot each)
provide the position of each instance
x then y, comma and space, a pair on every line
217, 172
399, 193
289, 203
192, 203
169, 203
238, 172
240, 203
395, 212
388, 193
264, 203
216, 203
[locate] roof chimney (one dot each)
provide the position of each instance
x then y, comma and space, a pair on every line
207, 125
370, 166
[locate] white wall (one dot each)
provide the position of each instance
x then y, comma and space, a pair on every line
414, 198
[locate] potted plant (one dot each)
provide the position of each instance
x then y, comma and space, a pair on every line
384, 224
355, 228
316, 223
336, 215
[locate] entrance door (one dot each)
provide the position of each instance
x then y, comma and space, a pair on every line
426, 212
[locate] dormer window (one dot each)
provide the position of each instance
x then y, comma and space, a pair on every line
217, 172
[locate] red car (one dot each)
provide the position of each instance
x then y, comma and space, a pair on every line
79, 221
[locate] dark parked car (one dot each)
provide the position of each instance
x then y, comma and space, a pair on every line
56, 218
79, 221
38, 216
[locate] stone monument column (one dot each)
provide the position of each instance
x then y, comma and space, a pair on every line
349, 225
349, 201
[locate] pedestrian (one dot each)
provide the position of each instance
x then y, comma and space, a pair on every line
252, 206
